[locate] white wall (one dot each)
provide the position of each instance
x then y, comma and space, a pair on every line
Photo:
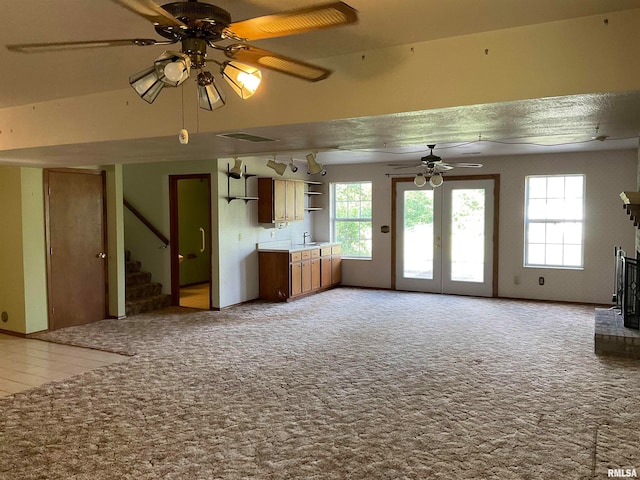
607, 225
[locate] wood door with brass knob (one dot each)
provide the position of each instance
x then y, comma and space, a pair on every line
76, 246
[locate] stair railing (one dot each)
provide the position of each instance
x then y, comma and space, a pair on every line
146, 223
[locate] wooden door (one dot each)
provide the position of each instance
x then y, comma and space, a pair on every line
76, 247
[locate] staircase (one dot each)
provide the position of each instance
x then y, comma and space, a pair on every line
141, 294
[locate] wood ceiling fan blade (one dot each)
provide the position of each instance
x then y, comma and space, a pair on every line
152, 12
58, 46
273, 61
293, 22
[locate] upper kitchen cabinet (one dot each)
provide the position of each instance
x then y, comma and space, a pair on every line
280, 200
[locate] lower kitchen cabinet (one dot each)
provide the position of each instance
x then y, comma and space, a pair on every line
285, 275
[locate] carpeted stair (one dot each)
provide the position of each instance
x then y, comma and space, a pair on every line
141, 294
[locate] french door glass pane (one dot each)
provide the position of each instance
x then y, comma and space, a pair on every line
467, 235
418, 234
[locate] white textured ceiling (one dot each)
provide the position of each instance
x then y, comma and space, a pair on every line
537, 126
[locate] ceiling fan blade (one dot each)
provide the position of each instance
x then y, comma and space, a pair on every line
293, 22
466, 165
152, 12
398, 167
273, 61
57, 46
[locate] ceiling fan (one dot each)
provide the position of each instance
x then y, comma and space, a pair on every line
432, 166
198, 25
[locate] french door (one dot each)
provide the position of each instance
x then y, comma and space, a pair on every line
445, 237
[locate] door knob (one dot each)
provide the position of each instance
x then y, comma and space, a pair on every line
102, 255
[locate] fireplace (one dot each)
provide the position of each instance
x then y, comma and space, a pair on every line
629, 294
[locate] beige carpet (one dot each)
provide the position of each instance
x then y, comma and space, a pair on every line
348, 384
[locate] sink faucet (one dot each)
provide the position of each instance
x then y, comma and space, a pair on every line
306, 235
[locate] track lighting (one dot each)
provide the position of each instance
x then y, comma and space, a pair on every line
277, 166
236, 171
292, 166
313, 166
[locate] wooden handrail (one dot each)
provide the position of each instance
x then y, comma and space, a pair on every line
146, 222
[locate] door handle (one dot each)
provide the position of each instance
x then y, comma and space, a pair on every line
203, 240
102, 255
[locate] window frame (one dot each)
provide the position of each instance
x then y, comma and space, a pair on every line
333, 220
528, 221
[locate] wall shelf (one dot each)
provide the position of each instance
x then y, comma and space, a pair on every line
312, 193
246, 198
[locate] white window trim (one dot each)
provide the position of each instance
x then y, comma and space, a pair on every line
333, 217
555, 220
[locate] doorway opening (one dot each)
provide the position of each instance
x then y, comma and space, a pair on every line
190, 224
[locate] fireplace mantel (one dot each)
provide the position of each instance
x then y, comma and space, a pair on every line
631, 203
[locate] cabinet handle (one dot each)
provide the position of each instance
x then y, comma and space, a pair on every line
203, 239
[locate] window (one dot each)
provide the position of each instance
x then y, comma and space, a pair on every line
351, 218
554, 221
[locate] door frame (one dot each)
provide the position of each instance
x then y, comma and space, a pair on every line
496, 221
47, 232
174, 234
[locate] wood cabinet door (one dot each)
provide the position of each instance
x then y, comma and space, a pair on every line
325, 271
290, 201
306, 276
315, 274
336, 269
299, 202
296, 279
279, 201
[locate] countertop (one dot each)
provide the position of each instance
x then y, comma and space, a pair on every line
287, 246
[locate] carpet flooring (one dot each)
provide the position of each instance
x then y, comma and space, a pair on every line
347, 384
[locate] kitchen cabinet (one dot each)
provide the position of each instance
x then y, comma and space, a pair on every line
280, 200
286, 275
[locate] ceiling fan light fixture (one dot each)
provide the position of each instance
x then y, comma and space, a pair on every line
173, 68
313, 167
436, 180
420, 180
147, 84
210, 96
244, 79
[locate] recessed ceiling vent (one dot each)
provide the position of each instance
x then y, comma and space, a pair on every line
247, 137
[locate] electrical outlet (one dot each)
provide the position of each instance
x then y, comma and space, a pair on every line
273, 234
540, 280
239, 236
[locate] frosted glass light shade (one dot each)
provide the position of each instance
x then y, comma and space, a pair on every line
210, 96
147, 84
244, 79
436, 180
420, 181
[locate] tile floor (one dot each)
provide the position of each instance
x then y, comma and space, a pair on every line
28, 363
